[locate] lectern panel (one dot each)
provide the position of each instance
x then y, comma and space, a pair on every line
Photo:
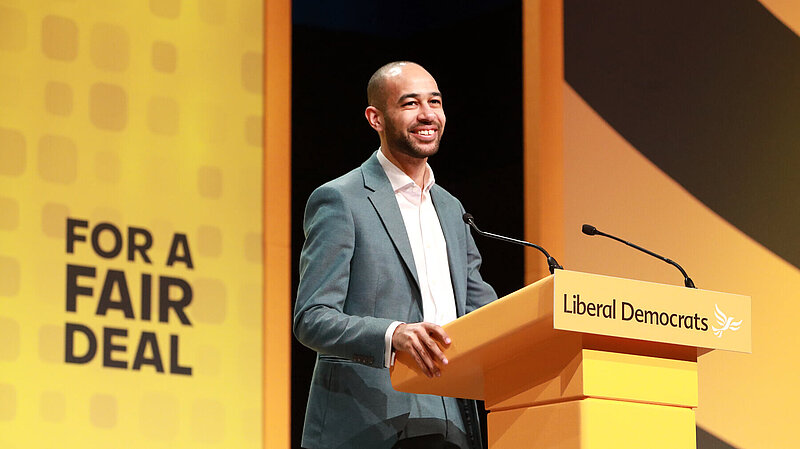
604, 305
593, 424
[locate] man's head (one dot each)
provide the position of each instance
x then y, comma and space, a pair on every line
405, 108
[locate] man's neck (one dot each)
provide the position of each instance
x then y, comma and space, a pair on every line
411, 166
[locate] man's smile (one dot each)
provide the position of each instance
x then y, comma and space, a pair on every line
425, 134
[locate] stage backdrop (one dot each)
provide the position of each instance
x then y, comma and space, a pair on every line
131, 224
676, 128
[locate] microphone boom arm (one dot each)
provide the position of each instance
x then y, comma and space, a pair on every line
687, 281
552, 264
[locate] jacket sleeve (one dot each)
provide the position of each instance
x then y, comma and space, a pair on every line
320, 321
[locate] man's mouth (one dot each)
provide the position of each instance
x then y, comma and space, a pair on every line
425, 134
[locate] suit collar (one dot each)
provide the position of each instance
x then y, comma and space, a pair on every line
381, 195
451, 223
374, 177
400, 180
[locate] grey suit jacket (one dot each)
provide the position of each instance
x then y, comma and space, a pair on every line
357, 276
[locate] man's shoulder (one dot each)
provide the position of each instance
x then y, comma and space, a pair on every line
349, 182
354, 182
443, 194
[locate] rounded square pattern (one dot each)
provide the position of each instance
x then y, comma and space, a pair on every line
58, 98
57, 159
169, 9
212, 11
209, 241
110, 47
13, 29
13, 157
9, 276
59, 38
107, 166
103, 411
108, 106
251, 16
209, 182
51, 343
253, 130
54, 219
253, 247
164, 56
162, 115
8, 402
252, 71
210, 301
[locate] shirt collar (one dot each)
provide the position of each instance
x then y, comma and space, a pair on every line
400, 180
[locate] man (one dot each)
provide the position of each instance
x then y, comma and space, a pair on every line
386, 262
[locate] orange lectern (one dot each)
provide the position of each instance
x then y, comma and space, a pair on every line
579, 360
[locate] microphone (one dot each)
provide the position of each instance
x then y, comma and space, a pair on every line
591, 230
551, 263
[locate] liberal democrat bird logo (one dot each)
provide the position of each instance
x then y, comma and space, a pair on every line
725, 322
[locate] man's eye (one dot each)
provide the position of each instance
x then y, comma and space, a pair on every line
436, 101
409, 103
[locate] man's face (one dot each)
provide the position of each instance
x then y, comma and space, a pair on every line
414, 116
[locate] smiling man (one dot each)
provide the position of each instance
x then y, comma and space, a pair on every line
386, 262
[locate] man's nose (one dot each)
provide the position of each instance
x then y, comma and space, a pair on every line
426, 113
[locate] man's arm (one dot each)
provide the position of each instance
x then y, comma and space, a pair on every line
425, 340
319, 319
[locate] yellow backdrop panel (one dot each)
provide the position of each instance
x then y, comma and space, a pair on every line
147, 116
747, 400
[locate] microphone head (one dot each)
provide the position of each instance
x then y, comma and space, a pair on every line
589, 229
467, 217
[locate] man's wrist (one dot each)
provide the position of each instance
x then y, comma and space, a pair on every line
388, 355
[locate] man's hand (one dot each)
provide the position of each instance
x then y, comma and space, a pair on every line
422, 340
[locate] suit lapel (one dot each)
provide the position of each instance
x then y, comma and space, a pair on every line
381, 195
451, 222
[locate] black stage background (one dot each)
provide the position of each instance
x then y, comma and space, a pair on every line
474, 51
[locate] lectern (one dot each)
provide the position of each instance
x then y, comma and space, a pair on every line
580, 360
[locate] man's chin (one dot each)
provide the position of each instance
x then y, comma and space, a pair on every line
423, 151
416, 149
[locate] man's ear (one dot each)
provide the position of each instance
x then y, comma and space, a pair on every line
375, 118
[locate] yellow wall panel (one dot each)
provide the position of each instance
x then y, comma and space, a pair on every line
143, 115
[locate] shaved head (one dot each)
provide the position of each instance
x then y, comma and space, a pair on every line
376, 88
405, 108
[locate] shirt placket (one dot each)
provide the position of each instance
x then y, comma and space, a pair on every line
427, 248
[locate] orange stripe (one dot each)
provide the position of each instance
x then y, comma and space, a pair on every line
543, 65
277, 235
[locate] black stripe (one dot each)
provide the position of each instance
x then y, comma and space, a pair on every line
707, 90
707, 440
